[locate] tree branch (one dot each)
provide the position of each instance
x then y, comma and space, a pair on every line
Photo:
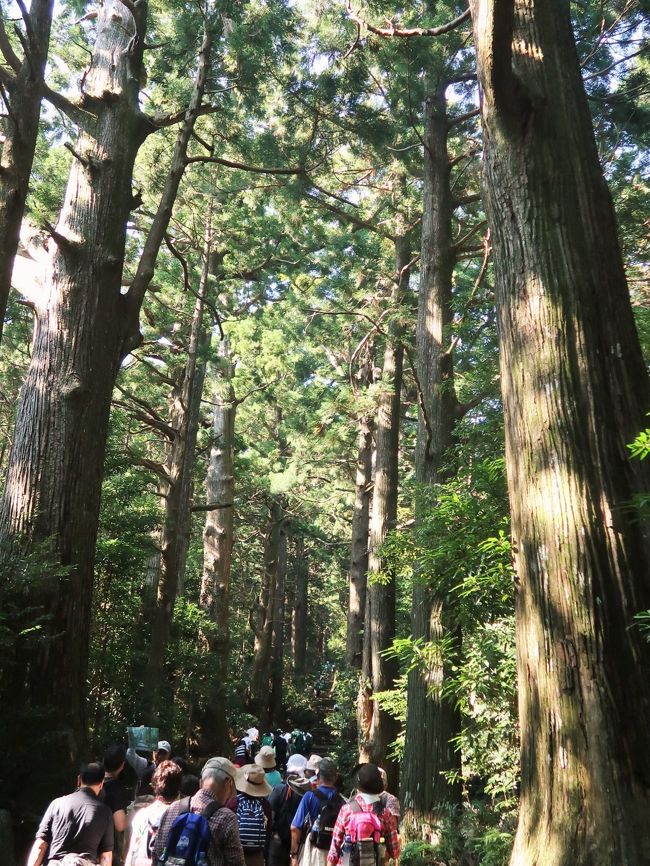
153, 466
160, 121
256, 169
76, 113
212, 506
350, 218
461, 118
146, 266
405, 33
6, 48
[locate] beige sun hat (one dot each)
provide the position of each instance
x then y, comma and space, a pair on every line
265, 758
313, 763
251, 780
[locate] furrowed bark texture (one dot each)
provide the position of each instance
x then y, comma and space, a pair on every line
20, 128
433, 719
575, 392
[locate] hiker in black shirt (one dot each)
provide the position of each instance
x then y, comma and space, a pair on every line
116, 796
77, 827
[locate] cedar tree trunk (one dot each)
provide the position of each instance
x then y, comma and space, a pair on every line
575, 393
23, 95
218, 539
432, 718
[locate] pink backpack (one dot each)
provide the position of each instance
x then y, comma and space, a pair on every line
365, 830
365, 826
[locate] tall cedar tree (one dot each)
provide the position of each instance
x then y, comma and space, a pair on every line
83, 328
575, 392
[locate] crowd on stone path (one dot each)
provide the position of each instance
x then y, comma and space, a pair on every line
274, 804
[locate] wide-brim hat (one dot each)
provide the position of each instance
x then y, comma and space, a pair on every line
296, 764
313, 763
251, 780
265, 758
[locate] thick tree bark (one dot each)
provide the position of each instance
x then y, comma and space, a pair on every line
433, 718
575, 392
299, 612
358, 571
261, 618
185, 406
277, 652
218, 540
53, 481
23, 97
380, 620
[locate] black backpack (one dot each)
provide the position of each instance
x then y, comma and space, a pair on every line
322, 829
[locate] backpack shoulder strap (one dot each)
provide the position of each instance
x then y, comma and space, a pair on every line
185, 806
319, 795
211, 809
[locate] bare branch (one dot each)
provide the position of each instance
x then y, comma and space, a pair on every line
461, 118
212, 506
146, 265
391, 30
256, 169
6, 48
160, 121
75, 112
487, 247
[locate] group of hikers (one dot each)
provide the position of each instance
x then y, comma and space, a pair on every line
265, 807
283, 743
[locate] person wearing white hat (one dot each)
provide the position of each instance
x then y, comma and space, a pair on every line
141, 765
265, 758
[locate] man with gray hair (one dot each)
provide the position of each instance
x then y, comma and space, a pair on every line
218, 779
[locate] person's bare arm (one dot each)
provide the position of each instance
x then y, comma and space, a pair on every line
106, 858
119, 821
38, 852
296, 835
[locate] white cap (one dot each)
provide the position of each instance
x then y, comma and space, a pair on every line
163, 746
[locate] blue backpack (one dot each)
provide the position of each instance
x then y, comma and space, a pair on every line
189, 837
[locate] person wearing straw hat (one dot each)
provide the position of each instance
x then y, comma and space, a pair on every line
265, 758
253, 812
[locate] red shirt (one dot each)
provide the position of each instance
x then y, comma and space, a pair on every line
388, 824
